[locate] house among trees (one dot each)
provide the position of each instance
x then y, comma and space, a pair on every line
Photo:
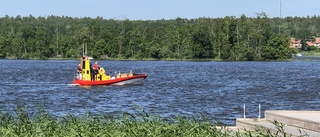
316, 43
298, 44
295, 43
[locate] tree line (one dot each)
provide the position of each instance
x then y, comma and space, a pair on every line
229, 38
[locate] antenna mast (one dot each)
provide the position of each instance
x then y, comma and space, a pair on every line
84, 49
280, 17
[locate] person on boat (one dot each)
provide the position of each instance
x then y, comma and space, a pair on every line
79, 70
95, 70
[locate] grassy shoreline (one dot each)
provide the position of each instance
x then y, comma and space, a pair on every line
41, 124
314, 54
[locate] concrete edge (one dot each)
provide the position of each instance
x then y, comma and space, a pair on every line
290, 130
288, 117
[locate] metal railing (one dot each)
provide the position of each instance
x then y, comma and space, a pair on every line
244, 111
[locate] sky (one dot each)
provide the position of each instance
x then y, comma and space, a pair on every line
158, 9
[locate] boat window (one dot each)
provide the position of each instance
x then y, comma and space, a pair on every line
83, 64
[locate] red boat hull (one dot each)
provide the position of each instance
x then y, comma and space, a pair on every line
115, 81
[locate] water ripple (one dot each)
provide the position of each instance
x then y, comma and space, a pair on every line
173, 88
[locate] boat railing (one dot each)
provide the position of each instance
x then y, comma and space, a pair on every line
120, 75
117, 74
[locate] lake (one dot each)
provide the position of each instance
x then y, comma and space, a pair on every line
218, 90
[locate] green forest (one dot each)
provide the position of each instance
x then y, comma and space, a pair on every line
230, 38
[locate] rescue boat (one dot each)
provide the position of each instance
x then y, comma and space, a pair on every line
86, 77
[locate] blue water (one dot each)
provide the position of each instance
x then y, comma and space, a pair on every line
218, 90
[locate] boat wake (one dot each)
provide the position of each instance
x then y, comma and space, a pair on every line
73, 84
35, 84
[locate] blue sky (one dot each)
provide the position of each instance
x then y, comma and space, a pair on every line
158, 9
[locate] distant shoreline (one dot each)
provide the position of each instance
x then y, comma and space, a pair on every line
305, 55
